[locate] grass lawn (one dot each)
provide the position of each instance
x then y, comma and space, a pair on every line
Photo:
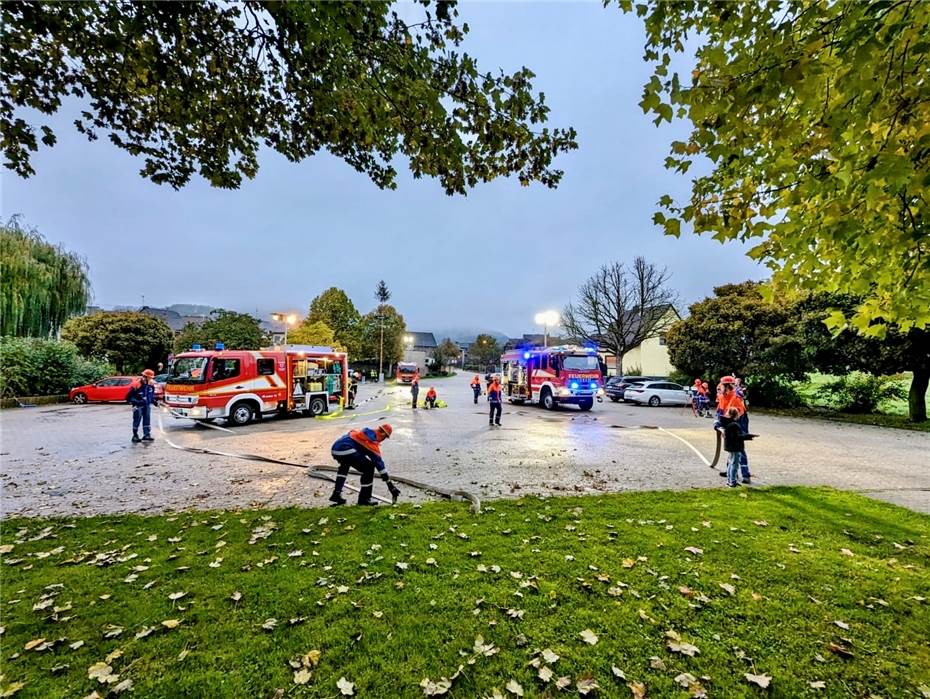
819, 592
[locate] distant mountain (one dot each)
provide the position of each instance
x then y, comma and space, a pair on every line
468, 334
190, 309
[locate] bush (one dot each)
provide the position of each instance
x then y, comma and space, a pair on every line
38, 367
860, 393
773, 393
682, 378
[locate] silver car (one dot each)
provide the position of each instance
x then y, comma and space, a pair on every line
657, 393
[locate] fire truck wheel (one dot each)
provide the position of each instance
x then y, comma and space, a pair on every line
586, 404
241, 414
317, 407
548, 400
654, 401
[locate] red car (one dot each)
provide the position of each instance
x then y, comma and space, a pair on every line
112, 388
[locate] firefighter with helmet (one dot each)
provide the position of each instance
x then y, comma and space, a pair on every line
141, 397
361, 450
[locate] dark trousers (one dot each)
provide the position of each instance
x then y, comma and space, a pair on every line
414, 395
363, 466
143, 414
743, 423
430, 402
477, 390
495, 411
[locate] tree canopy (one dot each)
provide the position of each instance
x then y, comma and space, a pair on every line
335, 309
484, 351
620, 306
445, 352
199, 87
313, 333
41, 285
370, 334
815, 118
128, 340
239, 331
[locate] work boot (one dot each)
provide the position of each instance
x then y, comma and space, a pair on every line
369, 503
498, 424
722, 474
135, 439
148, 438
337, 499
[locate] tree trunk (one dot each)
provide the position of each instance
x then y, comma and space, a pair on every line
618, 361
917, 396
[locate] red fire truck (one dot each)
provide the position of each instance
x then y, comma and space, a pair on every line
239, 385
552, 376
406, 371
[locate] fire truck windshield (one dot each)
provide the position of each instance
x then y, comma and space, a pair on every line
188, 370
578, 362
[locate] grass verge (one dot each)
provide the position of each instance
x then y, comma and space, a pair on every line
900, 422
818, 592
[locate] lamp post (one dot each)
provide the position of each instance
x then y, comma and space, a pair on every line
547, 319
286, 319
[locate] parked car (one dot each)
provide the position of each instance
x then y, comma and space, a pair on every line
616, 385
112, 388
657, 393
160, 381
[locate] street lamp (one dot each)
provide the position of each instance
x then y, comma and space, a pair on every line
285, 318
547, 319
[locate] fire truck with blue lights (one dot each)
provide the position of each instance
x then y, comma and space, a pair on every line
553, 376
240, 385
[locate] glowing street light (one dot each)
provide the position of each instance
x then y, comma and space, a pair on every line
547, 319
286, 319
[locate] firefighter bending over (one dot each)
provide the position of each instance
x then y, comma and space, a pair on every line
361, 450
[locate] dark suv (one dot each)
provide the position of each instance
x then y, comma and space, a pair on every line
616, 385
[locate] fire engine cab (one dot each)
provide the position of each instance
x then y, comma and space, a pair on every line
240, 385
406, 371
552, 376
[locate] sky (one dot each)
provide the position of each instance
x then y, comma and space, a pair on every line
490, 260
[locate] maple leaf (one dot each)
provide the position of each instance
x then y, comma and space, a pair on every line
588, 637
545, 674
638, 689
514, 688
586, 685
618, 673
345, 687
302, 676
760, 680
549, 656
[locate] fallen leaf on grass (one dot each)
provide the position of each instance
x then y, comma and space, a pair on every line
549, 656
122, 686
638, 689
171, 623
269, 624
434, 689
760, 680
33, 643
345, 687
728, 588
924, 691
847, 552
628, 563
694, 550
676, 645
656, 663
13, 687
840, 650
236, 596
101, 672
302, 676
514, 688
563, 682
842, 624
545, 674
118, 653
617, 672
75, 645
174, 596
588, 637
183, 654
586, 685
820, 684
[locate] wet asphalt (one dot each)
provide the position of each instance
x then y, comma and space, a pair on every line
77, 460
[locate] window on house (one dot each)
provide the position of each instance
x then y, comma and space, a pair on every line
661, 338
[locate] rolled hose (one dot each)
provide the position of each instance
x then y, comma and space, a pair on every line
317, 472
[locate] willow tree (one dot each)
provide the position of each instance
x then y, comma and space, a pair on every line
41, 285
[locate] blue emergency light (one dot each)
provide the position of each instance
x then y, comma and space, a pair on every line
196, 347
220, 346
526, 355
594, 384
574, 385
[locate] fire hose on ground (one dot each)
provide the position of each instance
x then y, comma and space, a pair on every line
317, 472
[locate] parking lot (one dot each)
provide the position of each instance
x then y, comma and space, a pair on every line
70, 459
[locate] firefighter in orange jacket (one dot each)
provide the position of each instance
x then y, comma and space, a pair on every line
361, 450
495, 398
476, 387
430, 398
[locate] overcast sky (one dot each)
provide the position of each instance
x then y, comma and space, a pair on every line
489, 260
